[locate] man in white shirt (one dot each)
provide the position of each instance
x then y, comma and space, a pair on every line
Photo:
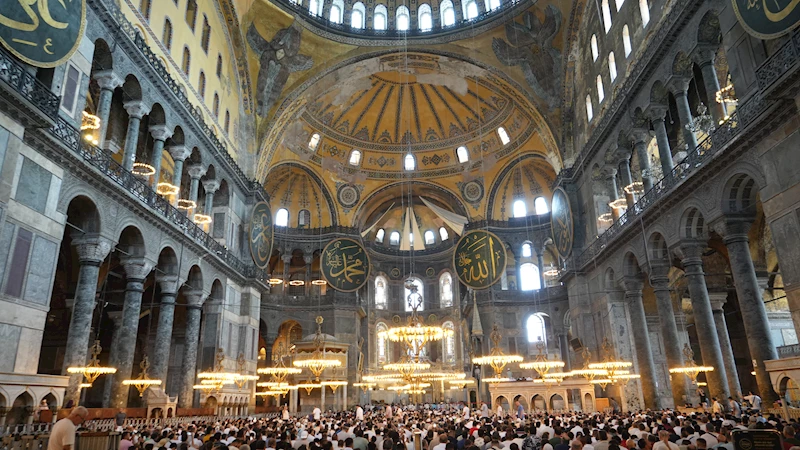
442, 442
465, 411
359, 413
754, 400
317, 413
62, 435
663, 442
484, 410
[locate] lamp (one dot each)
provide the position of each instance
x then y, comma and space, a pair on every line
309, 386
141, 169
240, 378
334, 384
319, 282
274, 281
185, 203
142, 382
202, 219
637, 187
496, 359
165, 188
318, 361
93, 370
541, 364
691, 369
611, 365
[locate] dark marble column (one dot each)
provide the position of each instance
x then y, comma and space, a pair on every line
704, 318
179, 154
160, 134
657, 115
627, 179
92, 250
754, 313
136, 110
679, 87
640, 139
189, 365
195, 172
308, 259
563, 344
641, 337
540, 262
659, 279
705, 55
107, 81
287, 260
211, 187
108, 382
169, 285
610, 175
718, 299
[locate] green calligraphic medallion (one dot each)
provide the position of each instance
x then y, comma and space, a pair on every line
561, 222
767, 19
261, 234
43, 33
345, 265
479, 259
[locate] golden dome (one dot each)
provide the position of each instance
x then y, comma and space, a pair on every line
302, 193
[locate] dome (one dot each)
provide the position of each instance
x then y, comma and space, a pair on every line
302, 194
525, 180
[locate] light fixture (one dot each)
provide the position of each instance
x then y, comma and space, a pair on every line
84, 385
619, 203
460, 384
365, 386
218, 374
274, 281
241, 378
202, 219
702, 123
142, 382
702, 384
497, 379
185, 203
93, 370
637, 187
319, 282
607, 218
496, 358
319, 360
279, 372
541, 364
141, 169
551, 271
308, 386
297, 283
165, 188
334, 384
726, 95
691, 369
547, 381
558, 377
89, 122
603, 382
611, 365
270, 392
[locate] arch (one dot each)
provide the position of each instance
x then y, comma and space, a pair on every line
394, 238
470, 9
644, 12
336, 14
194, 278
131, 241
227, 125
131, 89
219, 66
410, 300
358, 16
443, 234
313, 142
381, 343
304, 219
657, 247
693, 224
83, 213
540, 206
379, 19
355, 158
708, 29
606, 15
102, 59
21, 408
538, 403
595, 48
491, 5
658, 93
527, 250
529, 277
588, 402
740, 195
430, 237
284, 175
205, 36
449, 343
536, 329
589, 109
682, 64
424, 17
215, 105
168, 261
186, 61
519, 208
166, 35
557, 402
502, 401
609, 280
626, 40
503, 134
282, 218
402, 18
409, 162
533, 170
462, 154
191, 13
380, 235
600, 91
522, 401
445, 290
630, 265
448, 13
612, 66
381, 292
201, 85
157, 116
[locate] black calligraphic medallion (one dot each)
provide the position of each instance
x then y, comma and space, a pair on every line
261, 234
767, 19
479, 259
345, 265
561, 222
43, 33
757, 440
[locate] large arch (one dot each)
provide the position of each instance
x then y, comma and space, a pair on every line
279, 185
531, 173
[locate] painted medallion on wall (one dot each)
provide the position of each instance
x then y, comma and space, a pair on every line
261, 234
479, 259
43, 33
561, 222
767, 19
345, 265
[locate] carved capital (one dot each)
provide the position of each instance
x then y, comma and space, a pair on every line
691, 252
608, 171
169, 284
91, 248
136, 109
678, 85
196, 171
633, 285
659, 275
639, 135
160, 132
286, 258
179, 152
718, 299
108, 80
136, 267
194, 297
704, 54
657, 112
308, 259
210, 186
734, 228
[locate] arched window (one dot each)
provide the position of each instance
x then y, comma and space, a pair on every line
315, 7
402, 18
463, 154
313, 142
381, 296
166, 37
448, 13
144, 8
595, 49
414, 300
219, 66
503, 135
355, 158
357, 16
408, 162
205, 38
381, 343
449, 343
535, 328
411, 239
379, 19
612, 66
282, 218
394, 238
443, 233
215, 105
337, 11
619, 3
529, 277
600, 92
227, 121
540, 205
201, 85
446, 290
430, 237
527, 250
606, 15
589, 112
187, 61
470, 9
304, 218
491, 5
191, 13
424, 17
379, 236
644, 10
519, 209
626, 40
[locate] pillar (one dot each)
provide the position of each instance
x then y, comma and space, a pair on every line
136, 270
563, 344
610, 175
107, 81
195, 172
641, 336
179, 154
136, 110
657, 115
210, 186
108, 382
540, 262
627, 179
754, 313
160, 135
718, 300
308, 259
169, 285
679, 87
640, 138
659, 279
287, 260
194, 300
704, 318
705, 55
92, 250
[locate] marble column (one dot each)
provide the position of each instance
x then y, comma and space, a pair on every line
194, 306
640, 138
718, 299
705, 55
659, 279
754, 313
704, 318
657, 115
169, 285
211, 187
92, 250
641, 338
563, 344
627, 179
136, 110
308, 259
136, 270
540, 263
196, 171
610, 175
160, 135
108, 382
107, 81
679, 86
287, 260
179, 154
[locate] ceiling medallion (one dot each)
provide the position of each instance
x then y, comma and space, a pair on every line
472, 191
348, 195
430, 272
395, 273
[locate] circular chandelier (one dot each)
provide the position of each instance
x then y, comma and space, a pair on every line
308, 386
610, 365
279, 373
274, 281
541, 364
619, 203
219, 374
141, 169
240, 378
93, 370
334, 384
165, 188
142, 382
202, 219
691, 370
365, 386
186, 204
496, 358
318, 361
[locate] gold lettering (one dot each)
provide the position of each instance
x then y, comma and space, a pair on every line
781, 13
44, 12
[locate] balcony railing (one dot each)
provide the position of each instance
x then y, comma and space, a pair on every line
780, 63
24, 83
789, 351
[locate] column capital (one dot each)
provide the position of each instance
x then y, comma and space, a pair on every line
678, 85
639, 135
633, 284
136, 108
691, 252
286, 258
108, 80
136, 267
656, 112
179, 152
210, 186
623, 155
734, 228
308, 259
196, 171
718, 299
116, 317
169, 284
659, 276
608, 171
160, 132
704, 54
194, 297
92, 248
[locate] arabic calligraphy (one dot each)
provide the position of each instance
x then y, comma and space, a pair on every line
561, 222
43, 33
261, 234
479, 259
767, 19
345, 265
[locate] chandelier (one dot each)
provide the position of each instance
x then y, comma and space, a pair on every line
240, 378
551, 272
691, 370
164, 188
703, 122
270, 392
541, 364
558, 377
334, 384
460, 384
609, 364
141, 169
93, 370
142, 382
318, 361
637, 187
207, 386
365, 386
308, 386
496, 358
218, 374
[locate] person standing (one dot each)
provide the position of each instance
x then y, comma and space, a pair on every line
484, 410
359, 413
754, 400
119, 419
520, 411
317, 413
734, 408
716, 406
62, 436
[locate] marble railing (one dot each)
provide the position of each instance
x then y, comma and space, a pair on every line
789, 351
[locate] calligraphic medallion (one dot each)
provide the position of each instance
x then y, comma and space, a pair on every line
43, 33
345, 265
767, 19
479, 259
261, 234
561, 222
